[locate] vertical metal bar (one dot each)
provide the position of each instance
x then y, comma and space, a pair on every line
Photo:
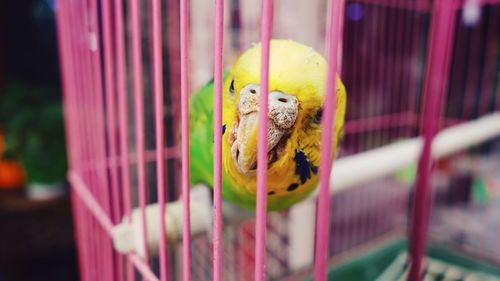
360, 144
405, 83
173, 54
441, 34
173, 47
236, 26
394, 131
217, 184
79, 224
457, 89
83, 38
489, 66
70, 117
111, 122
261, 208
446, 68
85, 262
376, 78
84, 82
137, 85
122, 118
388, 93
413, 81
328, 150
186, 232
472, 72
110, 103
358, 63
99, 149
65, 61
157, 77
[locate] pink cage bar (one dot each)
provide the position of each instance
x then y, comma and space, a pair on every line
411, 68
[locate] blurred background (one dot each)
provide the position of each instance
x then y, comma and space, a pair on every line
36, 231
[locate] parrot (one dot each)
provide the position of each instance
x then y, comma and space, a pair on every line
297, 82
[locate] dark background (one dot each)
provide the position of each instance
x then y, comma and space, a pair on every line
36, 237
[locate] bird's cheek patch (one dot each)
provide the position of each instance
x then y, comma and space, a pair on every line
302, 167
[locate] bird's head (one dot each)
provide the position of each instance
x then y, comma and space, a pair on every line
297, 79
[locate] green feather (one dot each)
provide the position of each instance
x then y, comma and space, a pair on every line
201, 133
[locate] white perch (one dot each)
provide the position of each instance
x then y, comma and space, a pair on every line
386, 160
348, 172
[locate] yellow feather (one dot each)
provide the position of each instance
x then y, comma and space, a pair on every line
296, 70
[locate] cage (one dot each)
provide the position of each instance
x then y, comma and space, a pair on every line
418, 168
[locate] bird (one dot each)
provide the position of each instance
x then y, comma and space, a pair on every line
297, 85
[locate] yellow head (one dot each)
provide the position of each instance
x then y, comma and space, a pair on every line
297, 78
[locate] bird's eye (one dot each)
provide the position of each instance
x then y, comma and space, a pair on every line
231, 87
317, 117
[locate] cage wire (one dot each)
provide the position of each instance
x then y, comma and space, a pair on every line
121, 63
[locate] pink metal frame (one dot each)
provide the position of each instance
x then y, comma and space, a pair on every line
186, 231
323, 212
261, 209
218, 50
157, 70
137, 91
100, 156
441, 38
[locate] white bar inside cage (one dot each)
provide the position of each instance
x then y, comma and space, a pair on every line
384, 161
348, 172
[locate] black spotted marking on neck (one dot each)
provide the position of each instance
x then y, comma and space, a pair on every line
292, 187
303, 167
314, 169
271, 193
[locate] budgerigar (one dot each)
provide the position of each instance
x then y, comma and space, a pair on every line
297, 82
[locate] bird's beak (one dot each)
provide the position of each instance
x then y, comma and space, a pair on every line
282, 114
244, 149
